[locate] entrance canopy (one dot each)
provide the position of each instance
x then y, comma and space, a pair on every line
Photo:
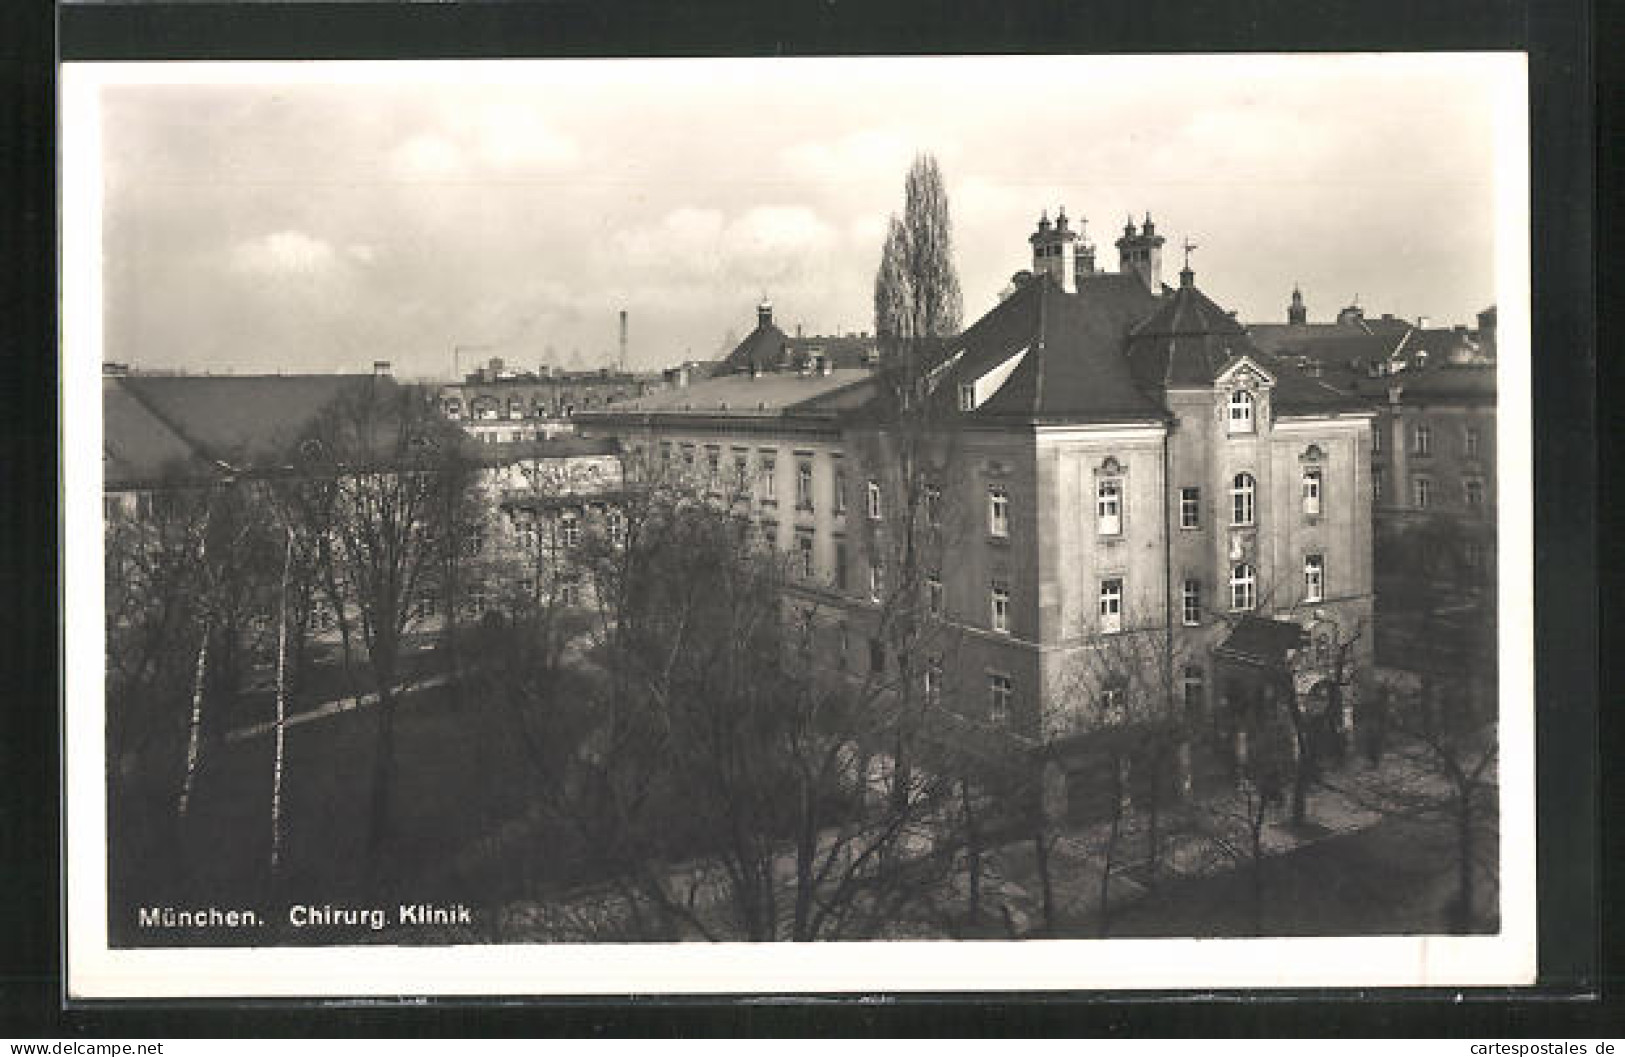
1261, 642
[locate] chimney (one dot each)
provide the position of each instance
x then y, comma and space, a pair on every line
623, 339
1140, 253
380, 368
1055, 250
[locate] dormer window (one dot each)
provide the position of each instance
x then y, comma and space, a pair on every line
1241, 412
967, 396
1311, 491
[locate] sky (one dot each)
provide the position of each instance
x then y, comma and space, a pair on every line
308, 217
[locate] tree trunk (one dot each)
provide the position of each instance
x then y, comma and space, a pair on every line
1112, 835
195, 724
380, 820
281, 710
973, 855
1256, 825
1041, 846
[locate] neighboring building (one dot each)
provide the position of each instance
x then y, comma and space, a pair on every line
547, 499
499, 405
1124, 461
165, 431
769, 349
1433, 461
168, 432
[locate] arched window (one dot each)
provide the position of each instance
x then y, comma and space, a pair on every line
1242, 487
1243, 587
1241, 412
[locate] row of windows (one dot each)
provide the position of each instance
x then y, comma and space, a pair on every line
1422, 490
568, 526
1422, 441
1243, 501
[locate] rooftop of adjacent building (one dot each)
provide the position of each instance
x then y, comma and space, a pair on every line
768, 348
753, 395
159, 427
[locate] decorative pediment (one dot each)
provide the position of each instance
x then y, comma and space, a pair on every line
1312, 453
1244, 374
1109, 467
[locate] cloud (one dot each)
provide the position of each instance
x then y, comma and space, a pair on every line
514, 136
284, 253
427, 157
497, 139
862, 155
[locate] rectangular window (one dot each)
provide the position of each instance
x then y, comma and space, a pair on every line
1191, 603
877, 656
840, 486
770, 485
1475, 492
804, 485
933, 679
1422, 440
877, 582
998, 512
933, 506
1421, 493
741, 473
873, 492
713, 468
615, 527
1311, 492
999, 618
569, 529
1243, 587
1109, 507
665, 452
933, 594
1376, 439
1111, 606
1472, 554
688, 458
1314, 577
569, 593
1376, 483
1001, 692
967, 396
1241, 412
840, 565
1190, 508
804, 554
1470, 442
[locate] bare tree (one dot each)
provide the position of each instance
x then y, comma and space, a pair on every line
377, 462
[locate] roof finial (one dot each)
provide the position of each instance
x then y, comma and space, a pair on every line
1189, 245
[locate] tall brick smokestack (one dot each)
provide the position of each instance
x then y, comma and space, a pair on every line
623, 339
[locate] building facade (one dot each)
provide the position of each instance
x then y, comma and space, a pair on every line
1112, 460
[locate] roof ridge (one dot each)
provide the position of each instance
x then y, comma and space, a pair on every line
192, 444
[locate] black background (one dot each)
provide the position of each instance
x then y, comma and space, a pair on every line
1578, 803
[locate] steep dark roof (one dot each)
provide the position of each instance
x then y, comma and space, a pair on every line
1474, 382
568, 446
1073, 367
1261, 641
214, 421
1186, 342
138, 449
1189, 341
764, 350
